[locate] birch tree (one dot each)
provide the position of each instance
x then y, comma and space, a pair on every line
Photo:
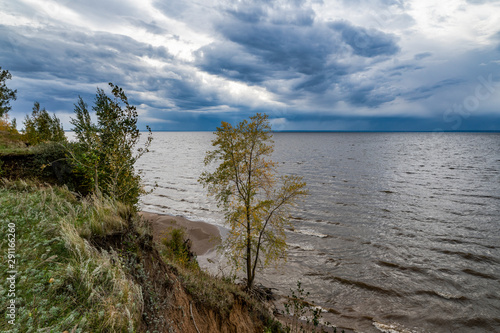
255, 200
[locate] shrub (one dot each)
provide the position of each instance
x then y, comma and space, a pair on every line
178, 248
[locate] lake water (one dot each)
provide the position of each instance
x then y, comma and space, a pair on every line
401, 231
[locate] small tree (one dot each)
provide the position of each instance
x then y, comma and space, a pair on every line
244, 185
6, 94
41, 127
104, 153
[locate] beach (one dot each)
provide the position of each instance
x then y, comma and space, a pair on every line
204, 236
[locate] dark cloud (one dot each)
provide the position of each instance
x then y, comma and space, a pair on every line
301, 55
307, 57
64, 54
426, 91
283, 43
231, 61
304, 50
366, 43
368, 96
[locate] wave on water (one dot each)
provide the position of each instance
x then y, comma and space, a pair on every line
391, 328
470, 256
310, 232
302, 247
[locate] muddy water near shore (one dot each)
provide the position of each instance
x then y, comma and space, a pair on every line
400, 232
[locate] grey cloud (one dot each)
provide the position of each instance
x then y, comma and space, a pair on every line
74, 55
366, 43
306, 58
321, 82
173, 8
368, 96
259, 53
307, 64
302, 50
253, 14
426, 91
422, 55
297, 12
230, 60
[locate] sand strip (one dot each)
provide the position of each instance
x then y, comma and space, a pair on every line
204, 236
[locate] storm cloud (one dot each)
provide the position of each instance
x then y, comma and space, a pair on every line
188, 65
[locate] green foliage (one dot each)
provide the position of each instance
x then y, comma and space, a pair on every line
245, 186
104, 153
178, 248
6, 94
49, 163
41, 127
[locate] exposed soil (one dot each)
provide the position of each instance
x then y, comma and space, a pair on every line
168, 307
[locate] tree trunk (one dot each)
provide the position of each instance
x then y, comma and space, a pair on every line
250, 276
249, 258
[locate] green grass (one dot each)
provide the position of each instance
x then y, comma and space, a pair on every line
63, 283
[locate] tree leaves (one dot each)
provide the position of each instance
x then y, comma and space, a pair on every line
41, 127
6, 94
244, 185
105, 153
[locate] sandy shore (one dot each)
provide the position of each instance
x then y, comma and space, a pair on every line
205, 237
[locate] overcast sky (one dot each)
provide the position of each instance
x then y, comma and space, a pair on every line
310, 65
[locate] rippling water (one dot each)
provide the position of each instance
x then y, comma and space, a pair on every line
400, 231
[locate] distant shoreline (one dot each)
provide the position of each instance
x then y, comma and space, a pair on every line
331, 131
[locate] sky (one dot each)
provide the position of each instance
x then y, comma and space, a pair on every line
340, 65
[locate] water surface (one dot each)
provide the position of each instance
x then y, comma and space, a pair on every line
400, 230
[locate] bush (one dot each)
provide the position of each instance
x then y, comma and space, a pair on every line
178, 248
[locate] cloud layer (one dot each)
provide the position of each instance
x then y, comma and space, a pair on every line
311, 65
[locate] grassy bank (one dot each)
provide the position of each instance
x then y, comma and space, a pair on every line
89, 265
